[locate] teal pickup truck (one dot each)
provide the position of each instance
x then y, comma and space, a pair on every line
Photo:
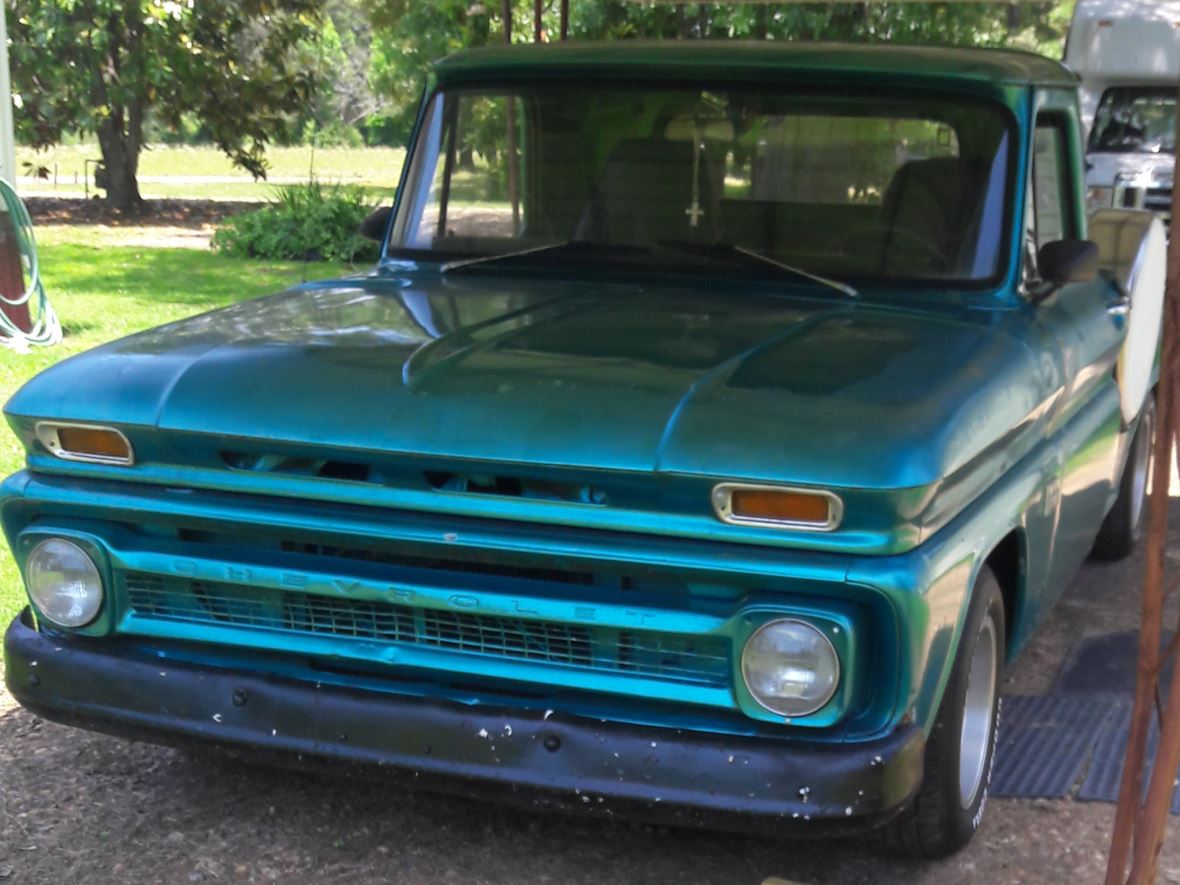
718, 421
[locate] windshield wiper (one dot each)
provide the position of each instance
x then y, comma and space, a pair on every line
482, 260
748, 256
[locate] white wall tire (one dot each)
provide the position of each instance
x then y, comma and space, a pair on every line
1123, 526
950, 803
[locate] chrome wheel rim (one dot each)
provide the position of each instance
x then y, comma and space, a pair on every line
978, 714
1142, 468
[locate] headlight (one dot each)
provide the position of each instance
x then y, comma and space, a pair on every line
1099, 197
63, 582
790, 667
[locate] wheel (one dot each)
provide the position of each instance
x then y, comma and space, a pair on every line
949, 805
1123, 526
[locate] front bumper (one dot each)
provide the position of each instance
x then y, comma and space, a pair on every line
534, 757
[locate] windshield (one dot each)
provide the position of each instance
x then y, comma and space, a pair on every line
1136, 119
845, 186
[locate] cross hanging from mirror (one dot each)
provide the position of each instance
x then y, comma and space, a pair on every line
694, 212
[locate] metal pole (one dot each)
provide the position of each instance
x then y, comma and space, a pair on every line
7, 141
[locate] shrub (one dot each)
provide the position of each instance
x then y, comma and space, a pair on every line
305, 222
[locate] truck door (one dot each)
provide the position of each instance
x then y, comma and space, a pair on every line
1086, 324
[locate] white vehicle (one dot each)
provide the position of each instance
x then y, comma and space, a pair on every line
1127, 53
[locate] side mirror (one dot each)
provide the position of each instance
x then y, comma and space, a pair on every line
376, 223
1068, 261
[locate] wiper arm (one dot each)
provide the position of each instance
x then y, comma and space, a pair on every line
741, 253
483, 260
502, 256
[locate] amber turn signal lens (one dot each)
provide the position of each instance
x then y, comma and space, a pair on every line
93, 441
81, 442
781, 506
770, 506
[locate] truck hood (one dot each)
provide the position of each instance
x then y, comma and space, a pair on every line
724, 383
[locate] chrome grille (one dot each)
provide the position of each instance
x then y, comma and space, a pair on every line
531, 640
673, 657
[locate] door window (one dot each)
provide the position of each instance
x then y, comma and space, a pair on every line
1049, 209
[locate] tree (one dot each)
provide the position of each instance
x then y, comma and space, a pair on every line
409, 34
103, 66
351, 98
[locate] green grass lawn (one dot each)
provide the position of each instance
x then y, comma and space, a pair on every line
102, 292
206, 173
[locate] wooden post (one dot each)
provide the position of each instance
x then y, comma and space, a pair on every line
1139, 825
1131, 787
1149, 836
538, 30
565, 19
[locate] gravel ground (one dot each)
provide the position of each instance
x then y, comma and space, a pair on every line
82, 808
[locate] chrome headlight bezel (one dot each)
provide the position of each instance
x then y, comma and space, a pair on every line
783, 707
43, 597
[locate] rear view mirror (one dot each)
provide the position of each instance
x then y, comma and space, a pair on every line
376, 223
1068, 261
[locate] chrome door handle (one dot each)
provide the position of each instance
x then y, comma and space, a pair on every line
1120, 307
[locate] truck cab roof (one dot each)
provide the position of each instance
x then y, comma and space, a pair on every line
757, 59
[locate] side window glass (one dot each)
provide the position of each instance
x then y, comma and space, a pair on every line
1048, 207
478, 182
1050, 184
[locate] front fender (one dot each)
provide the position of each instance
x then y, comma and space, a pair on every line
930, 587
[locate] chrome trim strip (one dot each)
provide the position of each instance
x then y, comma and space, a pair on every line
722, 498
47, 433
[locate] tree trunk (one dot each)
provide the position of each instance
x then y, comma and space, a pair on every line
120, 157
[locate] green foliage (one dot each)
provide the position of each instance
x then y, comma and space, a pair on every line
241, 75
313, 221
335, 133
105, 66
1034, 24
345, 96
409, 34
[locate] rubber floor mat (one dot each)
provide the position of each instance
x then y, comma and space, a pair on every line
1045, 741
1106, 771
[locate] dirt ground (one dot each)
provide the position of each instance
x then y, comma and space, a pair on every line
82, 808
161, 213
160, 224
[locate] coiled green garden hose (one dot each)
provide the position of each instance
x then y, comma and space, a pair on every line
44, 328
